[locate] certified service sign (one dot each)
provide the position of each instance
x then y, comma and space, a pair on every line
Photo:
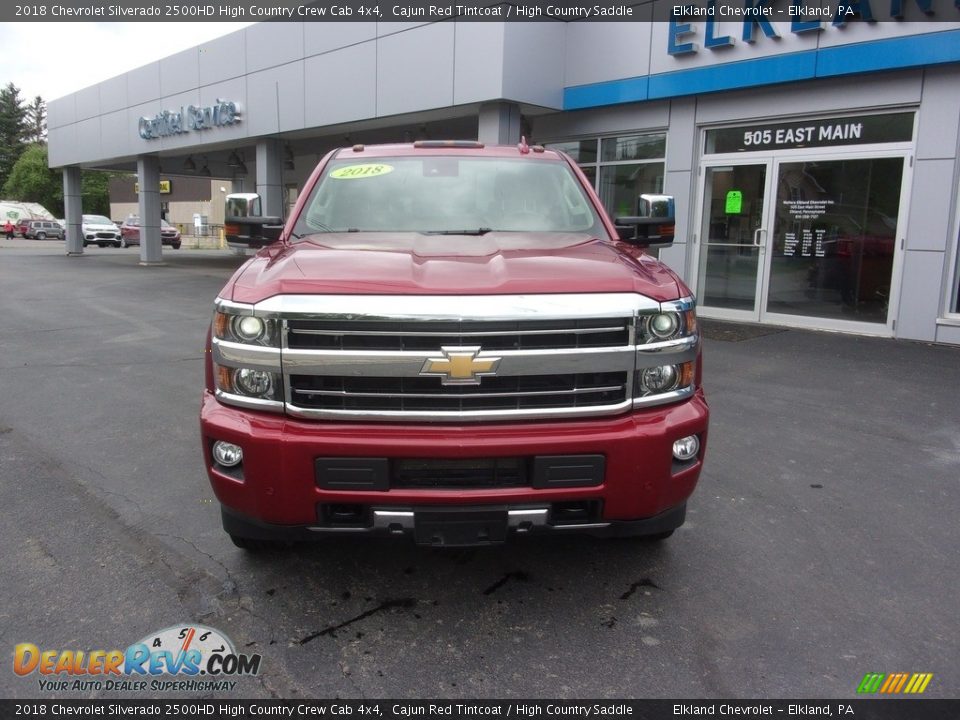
175, 122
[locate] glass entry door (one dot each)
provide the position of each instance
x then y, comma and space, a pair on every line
733, 231
834, 239
810, 241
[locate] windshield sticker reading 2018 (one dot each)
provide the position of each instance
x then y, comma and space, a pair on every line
352, 172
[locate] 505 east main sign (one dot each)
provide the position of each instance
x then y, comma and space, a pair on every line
222, 114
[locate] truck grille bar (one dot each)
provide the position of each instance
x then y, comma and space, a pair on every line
428, 394
413, 336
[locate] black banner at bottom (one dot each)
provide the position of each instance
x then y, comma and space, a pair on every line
874, 709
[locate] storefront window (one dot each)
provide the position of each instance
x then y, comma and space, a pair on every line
634, 147
621, 185
620, 168
956, 287
582, 151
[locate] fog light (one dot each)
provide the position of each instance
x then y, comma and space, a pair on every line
227, 454
252, 382
686, 448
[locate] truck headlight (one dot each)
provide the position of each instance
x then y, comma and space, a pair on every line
664, 378
663, 325
668, 324
249, 383
255, 383
659, 379
248, 329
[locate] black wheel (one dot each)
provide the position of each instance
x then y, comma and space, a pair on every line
116, 243
41, 236
124, 243
255, 545
176, 246
85, 243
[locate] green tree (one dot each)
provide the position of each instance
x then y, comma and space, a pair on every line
30, 180
36, 120
95, 192
12, 129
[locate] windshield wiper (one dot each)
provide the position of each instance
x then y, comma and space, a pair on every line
476, 231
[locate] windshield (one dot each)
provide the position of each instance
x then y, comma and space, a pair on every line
97, 220
450, 195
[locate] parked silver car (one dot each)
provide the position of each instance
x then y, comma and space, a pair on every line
43, 230
100, 230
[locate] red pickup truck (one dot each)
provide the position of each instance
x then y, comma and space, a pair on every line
452, 342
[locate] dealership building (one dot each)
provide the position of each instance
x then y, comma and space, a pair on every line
814, 162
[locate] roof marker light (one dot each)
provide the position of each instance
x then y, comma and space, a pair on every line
470, 144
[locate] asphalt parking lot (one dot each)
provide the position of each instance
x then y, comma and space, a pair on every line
821, 543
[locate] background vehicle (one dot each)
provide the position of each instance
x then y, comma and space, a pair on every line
455, 343
43, 230
100, 231
130, 233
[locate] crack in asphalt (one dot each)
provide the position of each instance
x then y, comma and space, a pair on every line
386, 605
518, 575
643, 582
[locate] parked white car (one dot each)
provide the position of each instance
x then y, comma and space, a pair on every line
100, 230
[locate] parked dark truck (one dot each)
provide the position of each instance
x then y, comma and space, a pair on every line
452, 342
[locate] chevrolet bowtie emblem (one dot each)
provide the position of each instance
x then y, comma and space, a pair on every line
460, 366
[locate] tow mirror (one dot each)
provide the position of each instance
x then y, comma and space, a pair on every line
653, 225
244, 226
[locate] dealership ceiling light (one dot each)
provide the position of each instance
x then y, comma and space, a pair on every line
189, 165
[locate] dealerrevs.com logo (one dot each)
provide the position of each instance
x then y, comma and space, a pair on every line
180, 658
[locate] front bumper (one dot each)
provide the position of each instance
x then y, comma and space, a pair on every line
275, 492
456, 531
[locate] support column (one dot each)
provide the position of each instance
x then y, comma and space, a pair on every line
148, 175
73, 210
499, 123
269, 177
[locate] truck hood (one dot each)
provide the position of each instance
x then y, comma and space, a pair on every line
417, 264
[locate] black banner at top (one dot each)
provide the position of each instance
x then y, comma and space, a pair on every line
760, 12
880, 708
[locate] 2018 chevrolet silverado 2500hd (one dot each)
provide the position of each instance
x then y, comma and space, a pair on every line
453, 342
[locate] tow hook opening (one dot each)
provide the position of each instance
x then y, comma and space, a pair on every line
575, 513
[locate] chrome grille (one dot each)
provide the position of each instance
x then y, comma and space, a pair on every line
456, 358
429, 336
427, 394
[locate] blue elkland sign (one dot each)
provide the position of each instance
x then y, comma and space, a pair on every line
753, 21
758, 15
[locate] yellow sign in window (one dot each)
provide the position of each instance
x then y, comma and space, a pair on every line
165, 187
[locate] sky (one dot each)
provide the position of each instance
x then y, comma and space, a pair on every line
54, 59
